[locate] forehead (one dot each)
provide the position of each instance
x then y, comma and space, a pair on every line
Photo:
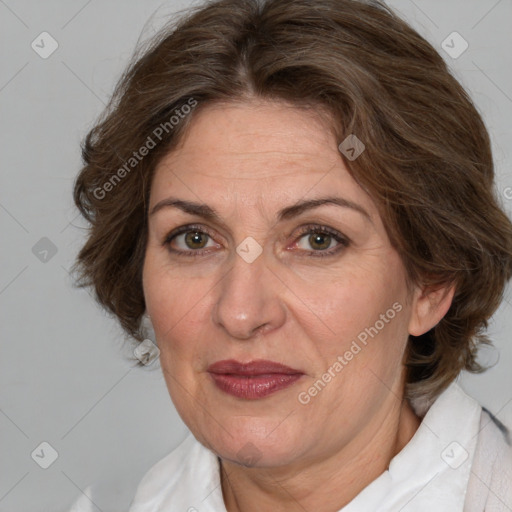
269, 121
260, 151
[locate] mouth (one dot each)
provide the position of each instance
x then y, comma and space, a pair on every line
253, 380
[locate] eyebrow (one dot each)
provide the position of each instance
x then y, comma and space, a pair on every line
289, 212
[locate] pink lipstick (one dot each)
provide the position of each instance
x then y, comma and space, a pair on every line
252, 380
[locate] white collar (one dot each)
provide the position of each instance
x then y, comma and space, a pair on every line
430, 473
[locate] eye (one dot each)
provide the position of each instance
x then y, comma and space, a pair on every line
195, 240
322, 240
189, 241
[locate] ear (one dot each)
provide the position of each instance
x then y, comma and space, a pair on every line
429, 305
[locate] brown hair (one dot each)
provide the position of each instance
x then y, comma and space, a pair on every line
427, 164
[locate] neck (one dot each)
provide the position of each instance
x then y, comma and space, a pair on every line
322, 485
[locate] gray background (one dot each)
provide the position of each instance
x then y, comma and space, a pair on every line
65, 378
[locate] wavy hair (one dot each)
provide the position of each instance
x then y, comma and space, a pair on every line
427, 165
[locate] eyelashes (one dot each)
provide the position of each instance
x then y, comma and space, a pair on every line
198, 232
195, 234
317, 233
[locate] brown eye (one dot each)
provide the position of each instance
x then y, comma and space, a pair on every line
319, 241
196, 239
190, 241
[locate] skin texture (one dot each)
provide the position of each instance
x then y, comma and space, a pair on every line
248, 160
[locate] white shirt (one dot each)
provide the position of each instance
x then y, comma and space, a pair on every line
457, 461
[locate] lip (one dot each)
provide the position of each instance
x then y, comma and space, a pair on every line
253, 380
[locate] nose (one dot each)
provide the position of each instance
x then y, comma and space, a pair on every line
248, 301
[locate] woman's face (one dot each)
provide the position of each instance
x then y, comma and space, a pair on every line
252, 276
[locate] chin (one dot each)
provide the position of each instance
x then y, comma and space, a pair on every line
254, 444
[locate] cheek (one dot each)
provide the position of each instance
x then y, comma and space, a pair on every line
331, 308
367, 318
168, 295
178, 307
162, 297
351, 303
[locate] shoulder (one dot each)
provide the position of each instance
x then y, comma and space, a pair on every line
168, 470
188, 478
185, 477
490, 485
85, 502
167, 475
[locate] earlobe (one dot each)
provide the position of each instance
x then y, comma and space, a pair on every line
429, 306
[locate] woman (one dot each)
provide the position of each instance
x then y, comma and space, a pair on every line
298, 196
